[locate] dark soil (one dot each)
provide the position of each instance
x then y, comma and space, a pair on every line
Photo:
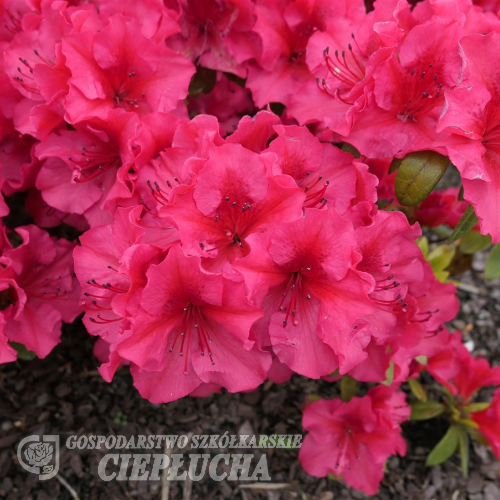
64, 394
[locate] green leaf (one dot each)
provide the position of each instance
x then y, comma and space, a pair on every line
475, 407
465, 224
423, 244
417, 176
477, 435
492, 267
22, 352
389, 374
422, 359
347, 388
463, 441
349, 148
395, 164
445, 448
312, 398
417, 389
424, 410
440, 258
474, 242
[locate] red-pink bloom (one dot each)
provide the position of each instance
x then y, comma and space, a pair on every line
342, 58
314, 303
193, 327
408, 93
118, 67
488, 5
46, 216
254, 132
353, 440
441, 207
34, 60
233, 197
471, 115
473, 372
325, 173
18, 164
489, 423
280, 70
157, 21
88, 168
217, 34
111, 264
38, 290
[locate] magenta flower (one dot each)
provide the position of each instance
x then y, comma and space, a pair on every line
192, 327
353, 440
38, 289
234, 196
471, 115
312, 299
118, 67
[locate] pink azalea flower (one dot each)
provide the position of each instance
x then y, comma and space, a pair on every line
18, 164
489, 423
324, 172
38, 289
193, 327
118, 67
46, 216
158, 22
408, 93
353, 440
111, 265
472, 374
88, 168
217, 34
285, 28
312, 300
471, 115
342, 58
233, 197
441, 207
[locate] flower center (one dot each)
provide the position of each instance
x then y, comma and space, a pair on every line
347, 67
421, 92
91, 163
193, 323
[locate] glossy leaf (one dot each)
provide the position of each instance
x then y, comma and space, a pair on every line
475, 407
418, 174
22, 352
463, 441
492, 267
474, 242
395, 164
424, 410
389, 374
347, 388
465, 224
445, 448
417, 390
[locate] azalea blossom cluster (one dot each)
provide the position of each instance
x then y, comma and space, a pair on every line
229, 166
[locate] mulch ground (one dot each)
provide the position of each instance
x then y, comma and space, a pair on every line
64, 394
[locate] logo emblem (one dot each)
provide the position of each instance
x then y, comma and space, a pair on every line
40, 455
